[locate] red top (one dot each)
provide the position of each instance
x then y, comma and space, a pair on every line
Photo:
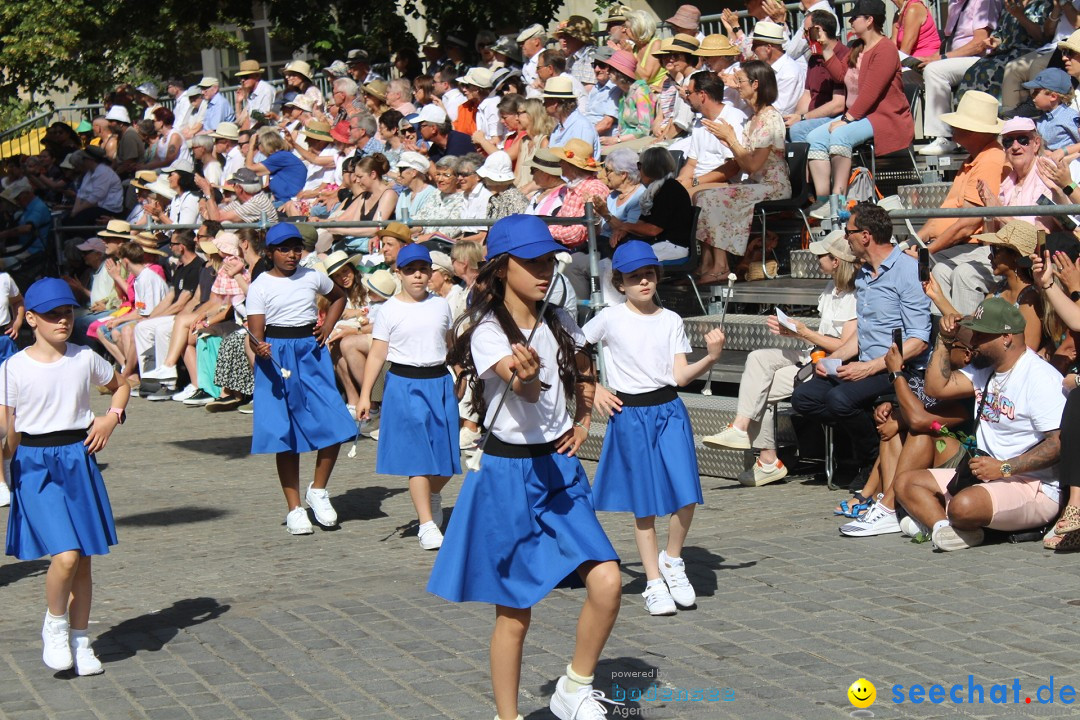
881, 97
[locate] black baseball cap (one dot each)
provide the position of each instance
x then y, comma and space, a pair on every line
867, 7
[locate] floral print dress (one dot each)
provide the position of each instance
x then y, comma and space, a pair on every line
987, 73
727, 211
636, 110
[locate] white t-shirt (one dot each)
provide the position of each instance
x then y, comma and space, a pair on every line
835, 308
639, 350
522, 422
149, 290
790, 83
317, 174
707, 149
8, 290
51, 397
457, 300
416, 331
288, 301
1023, 404
184, 209
487, 117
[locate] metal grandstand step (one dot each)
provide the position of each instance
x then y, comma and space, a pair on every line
781, 291
742, 332
804, 265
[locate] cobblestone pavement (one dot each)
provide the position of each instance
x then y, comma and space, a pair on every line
208, 608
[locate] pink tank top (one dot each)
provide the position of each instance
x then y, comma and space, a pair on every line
928, 42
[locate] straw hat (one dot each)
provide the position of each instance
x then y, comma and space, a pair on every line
149, 243
547, 162
397, 230
228, 131
681, 43
768, 32
835, 244
616, 14
559, 88
376, 89
1071, 43
300, 68
977, 112
144, 178
381, 282
301, 101
1021, 236
622, 61
578, 153
117, 229
318, 130
249, 67
339, 259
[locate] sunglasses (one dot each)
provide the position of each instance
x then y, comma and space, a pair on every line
1069, 54
1007, 142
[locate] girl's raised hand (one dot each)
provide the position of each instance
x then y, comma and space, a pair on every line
714, 343
606, 401
526, 362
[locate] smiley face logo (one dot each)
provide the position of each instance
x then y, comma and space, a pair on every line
862, 693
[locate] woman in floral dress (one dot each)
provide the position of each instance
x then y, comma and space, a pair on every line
1020, 30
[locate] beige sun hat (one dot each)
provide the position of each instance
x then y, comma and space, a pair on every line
769, 32
1071, 43
117, 229
547, 162
715, 46
248, 67
300, 68
318, 130
381, 282
578, 153
1019, 235
977, 112
681, 43
339, 259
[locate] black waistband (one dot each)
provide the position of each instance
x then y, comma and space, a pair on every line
281, 331
53, 439
414, 371
653, 397
498, 448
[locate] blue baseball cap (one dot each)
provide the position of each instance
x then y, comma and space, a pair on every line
282, 232
523, 236
411, 253
1052, 79
48, 294
632, 255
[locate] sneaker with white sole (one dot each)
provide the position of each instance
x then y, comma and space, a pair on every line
162, 393
297, 522
821, 210
877, 521
582, 705
940, 146
467, 438
947, 538
185, 393
86, 662
161, 372
247, 408
658, 600
911, 527
430, 536
673, 571
730, 437
5, 494
760, 475
55, 637
199, 398
319, 502
436, 510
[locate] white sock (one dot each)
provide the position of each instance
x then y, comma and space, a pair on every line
652, 583
767, 466
575, 682
939, 524
430, 523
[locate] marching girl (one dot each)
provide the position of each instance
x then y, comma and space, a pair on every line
418, 433
59, 504
11, 319
648, 465
524, 522
297, 405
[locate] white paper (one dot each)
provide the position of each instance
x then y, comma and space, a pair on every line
831, 365
785, 321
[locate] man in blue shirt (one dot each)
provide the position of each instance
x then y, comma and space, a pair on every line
435, 127
561, 103
33, 225
217, 109
888, 296
602, 103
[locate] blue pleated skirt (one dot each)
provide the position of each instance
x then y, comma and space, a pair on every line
303, 412
7, 347
418, 428
520, 528
648, 465
58, 503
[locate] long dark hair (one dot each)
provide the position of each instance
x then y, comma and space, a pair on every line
488, 297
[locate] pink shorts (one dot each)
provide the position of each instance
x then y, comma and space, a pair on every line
1018, 504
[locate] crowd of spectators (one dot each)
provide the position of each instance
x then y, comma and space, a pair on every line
647, 128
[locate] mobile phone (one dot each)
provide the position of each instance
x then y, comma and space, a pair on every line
1067, 221
924, 265
898, 338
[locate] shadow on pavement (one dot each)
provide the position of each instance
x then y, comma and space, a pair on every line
362, 503
15, 572
150, 632
633, 676
230, 448
701, 567
174, 516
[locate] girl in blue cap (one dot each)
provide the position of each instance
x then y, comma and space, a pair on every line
524, 522
297, 405
648, 465
59, 506
418, 433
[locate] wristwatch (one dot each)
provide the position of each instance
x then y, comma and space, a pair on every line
121, 415
894, 375
1006, 470
1075, 296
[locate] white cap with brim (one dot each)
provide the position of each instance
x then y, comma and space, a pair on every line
835, 244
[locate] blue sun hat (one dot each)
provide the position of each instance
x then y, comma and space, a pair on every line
48, 294
523, 236
632, 255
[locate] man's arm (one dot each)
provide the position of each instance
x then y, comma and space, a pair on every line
1043, 455
942, 383
164, 305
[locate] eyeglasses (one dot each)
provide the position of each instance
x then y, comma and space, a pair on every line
852, 231
202, 235
174, 244
1007, 142
463, 175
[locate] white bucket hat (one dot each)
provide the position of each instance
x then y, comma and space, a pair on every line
497, 168
118, 113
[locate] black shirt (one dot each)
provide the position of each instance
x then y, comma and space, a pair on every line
186, 278
672, 211
457, 144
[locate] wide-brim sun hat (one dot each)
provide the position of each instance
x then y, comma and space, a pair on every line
624, 62
376, 89
226, 131
120, 229
716, 46
300, 68
1071, 43
1019, 235
160, 187
547, 162
977, 112
497, 167
768, 32
835, 244
578, 153
300, 101
521, 236
381, 282
477, 77
318, 130
339, 259
559, 88
248, 67
680, 43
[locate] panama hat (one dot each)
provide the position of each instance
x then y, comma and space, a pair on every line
381, 282
376, 89
681, 43
149, 243
318, 130
300, 68
977, 112
249, 67
227, 131
578, 153
339, 259
300, 101
559, 88
768, 32
547, 162
117, 229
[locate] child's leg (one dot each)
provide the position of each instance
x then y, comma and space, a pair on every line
645, 535
59, 580
82, 594
603, 588
420, 492
288, 470
678, 527
507, 640
324, 465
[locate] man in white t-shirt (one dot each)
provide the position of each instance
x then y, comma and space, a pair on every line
709, 160
768, 45
1019, 402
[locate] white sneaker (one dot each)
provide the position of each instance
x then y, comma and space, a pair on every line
582, 705
374, 435
673, 571
760, 475
5, 494
730, 437
319, 502
911, 527
86, 662
54, 636
161, 372
940, 146
947, 538
822, 209
436, 509
877, 521
185, 393
467, 438
297, 522
658, 600
430, 536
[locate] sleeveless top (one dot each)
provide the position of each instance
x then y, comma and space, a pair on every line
656, 82
928, 42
